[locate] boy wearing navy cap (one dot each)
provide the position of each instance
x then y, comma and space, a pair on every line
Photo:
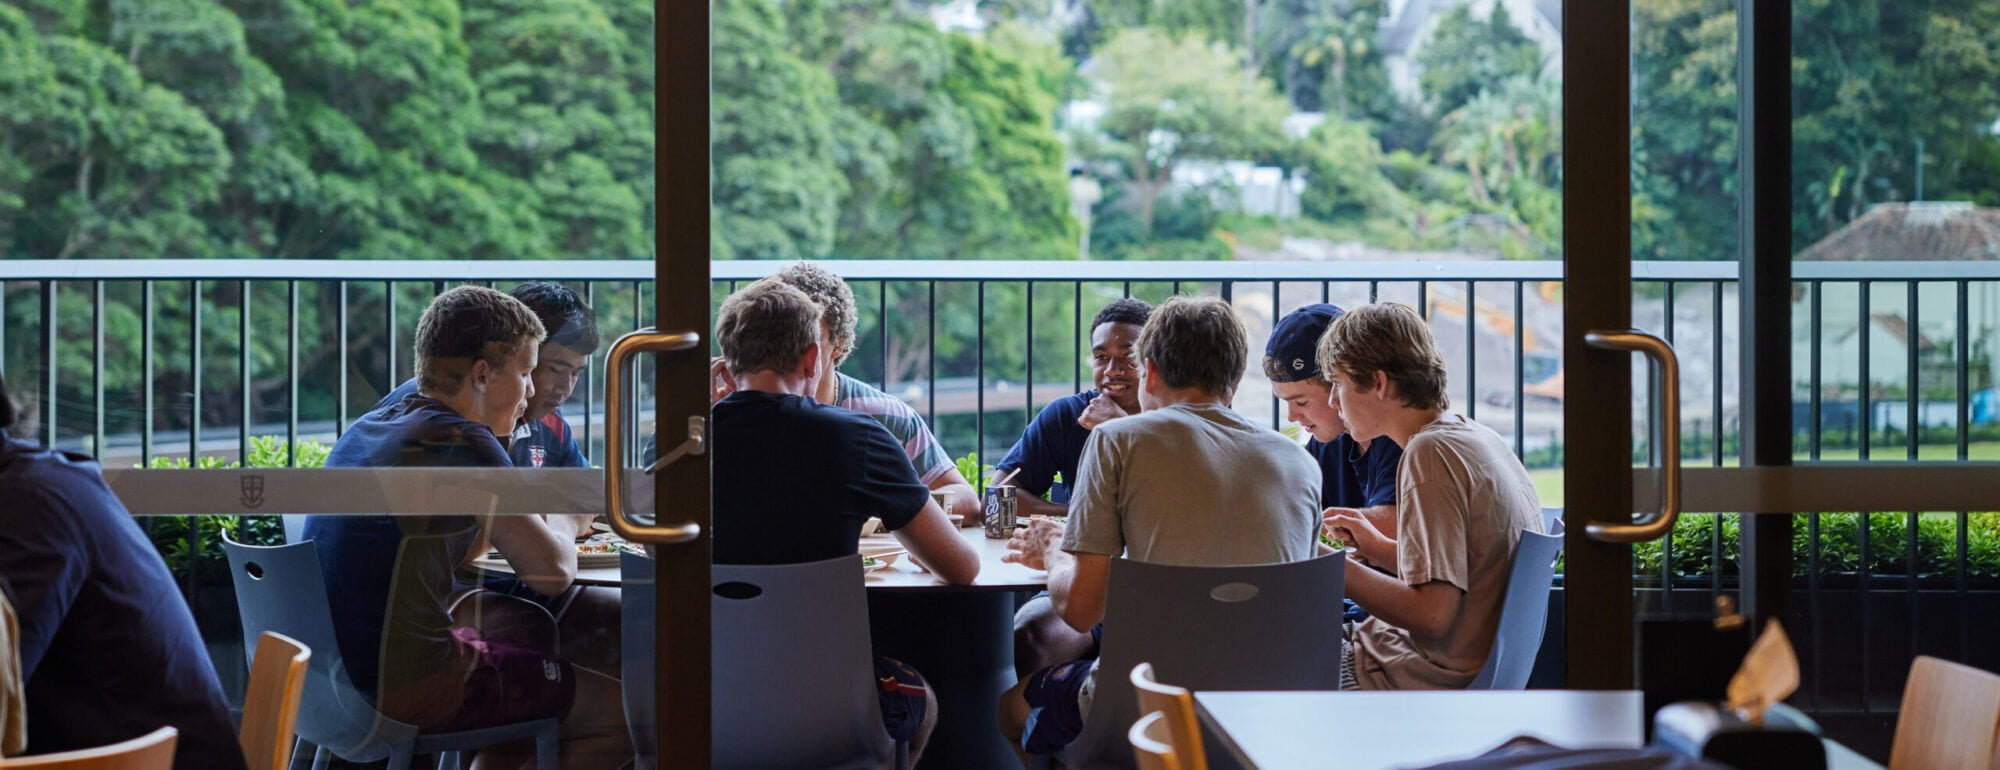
1360, 479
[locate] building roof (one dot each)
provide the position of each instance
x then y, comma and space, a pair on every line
1911, 231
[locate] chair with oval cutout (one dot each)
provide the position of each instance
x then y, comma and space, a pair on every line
1261, 627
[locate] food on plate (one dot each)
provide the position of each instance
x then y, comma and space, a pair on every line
607, 545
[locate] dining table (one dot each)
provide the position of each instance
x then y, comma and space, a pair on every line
960, 637
1381, 730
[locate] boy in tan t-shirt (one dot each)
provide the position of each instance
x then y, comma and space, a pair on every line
1465, 500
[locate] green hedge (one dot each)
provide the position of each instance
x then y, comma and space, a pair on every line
1839, 545
170, 533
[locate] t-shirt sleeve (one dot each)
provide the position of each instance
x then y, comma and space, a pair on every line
927, 456
1378, 472
1430, 526
1095, 525
1036, 453
568, 453
44, 566
879, 480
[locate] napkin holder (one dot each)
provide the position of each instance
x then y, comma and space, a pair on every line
1707, 730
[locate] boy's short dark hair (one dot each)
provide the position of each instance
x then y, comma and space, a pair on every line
766, 327
1196, 342
1124, 311
466, 324
569, 322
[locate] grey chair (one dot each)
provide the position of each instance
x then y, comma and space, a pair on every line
793, 676
280, 588
1552, 520
637, 596
1264, 627
1524, 615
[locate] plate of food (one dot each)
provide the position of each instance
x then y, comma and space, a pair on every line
872, 560
603, 551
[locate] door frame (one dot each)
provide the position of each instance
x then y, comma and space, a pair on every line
683, 654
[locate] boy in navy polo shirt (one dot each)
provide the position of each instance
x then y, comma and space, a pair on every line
107, 648
1051, 446
1360, 479
1053, 442
390, 579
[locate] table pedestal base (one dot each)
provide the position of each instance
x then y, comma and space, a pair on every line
963, 643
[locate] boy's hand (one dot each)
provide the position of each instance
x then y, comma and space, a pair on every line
1031, 544
1349, 526
1101, 410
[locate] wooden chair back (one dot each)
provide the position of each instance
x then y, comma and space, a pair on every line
1950, 718
1150, 743
271, 702
1178, 706
152, 751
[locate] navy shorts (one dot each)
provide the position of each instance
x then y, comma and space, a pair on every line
903, 693
1055, 700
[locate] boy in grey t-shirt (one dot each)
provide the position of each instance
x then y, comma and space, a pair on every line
1187, 482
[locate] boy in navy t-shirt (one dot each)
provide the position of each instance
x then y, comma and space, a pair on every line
1053, 442
804, 498
587, 619
107, 648
391, 579
1359, 478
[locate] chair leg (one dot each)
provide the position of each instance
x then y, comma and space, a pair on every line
902, 755
545, 750
300, 759
321, 757
400, 756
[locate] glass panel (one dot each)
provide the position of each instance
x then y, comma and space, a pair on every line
412, 131
1894, 153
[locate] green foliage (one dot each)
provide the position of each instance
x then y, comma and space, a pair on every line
969, 467
1467, 55
1839, 545
295, 128
170, 533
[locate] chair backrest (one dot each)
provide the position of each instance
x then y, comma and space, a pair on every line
1262, 627
1552, 520
1151, 746
152, 751
637, 594
271, 702
1524, 615
280, 588
794, 678
1177, 704
295, 527
1950, 717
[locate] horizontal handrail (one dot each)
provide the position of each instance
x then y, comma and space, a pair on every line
946, 270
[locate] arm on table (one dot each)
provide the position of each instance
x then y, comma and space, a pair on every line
1382, 516
1030, 505
1078, 582
936, 544
541, 551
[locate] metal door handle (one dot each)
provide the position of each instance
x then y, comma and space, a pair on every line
1668, 371
618, 366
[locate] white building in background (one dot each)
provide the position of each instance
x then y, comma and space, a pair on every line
1408, 25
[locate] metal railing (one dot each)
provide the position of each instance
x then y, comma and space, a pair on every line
1498, 322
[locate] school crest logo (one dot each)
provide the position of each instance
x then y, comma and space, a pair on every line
253, 491
550, 671
537, 456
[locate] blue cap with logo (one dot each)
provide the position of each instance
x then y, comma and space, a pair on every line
1293, 352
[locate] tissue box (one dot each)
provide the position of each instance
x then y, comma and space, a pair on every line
1704, 729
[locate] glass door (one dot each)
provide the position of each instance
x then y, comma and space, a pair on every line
1832, 360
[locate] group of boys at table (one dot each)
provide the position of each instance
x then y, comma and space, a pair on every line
1152, 464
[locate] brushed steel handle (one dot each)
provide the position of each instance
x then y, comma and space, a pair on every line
617, 367
1667, 370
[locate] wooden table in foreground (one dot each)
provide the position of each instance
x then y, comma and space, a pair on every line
1366, 730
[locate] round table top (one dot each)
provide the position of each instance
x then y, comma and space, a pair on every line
902, 575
